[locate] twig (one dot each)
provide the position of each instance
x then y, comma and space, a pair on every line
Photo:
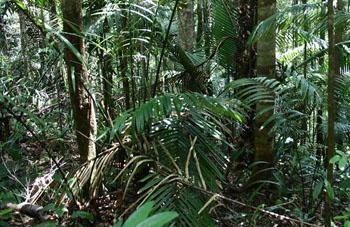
270, 213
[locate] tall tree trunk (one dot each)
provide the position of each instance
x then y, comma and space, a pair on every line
83, 108
338, 38
266, 56
193, 79
331, 109
123, 60
304, 128
245, 59
185, 17
107, 76
320, 152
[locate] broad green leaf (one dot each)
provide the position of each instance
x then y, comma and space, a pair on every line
139, 215
335, 159
118, 224
317, 190
329, 189
342, 163
347, 224
158, 220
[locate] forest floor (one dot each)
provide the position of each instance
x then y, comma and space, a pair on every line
108, 207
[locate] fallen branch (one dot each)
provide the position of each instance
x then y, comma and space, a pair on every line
31, 210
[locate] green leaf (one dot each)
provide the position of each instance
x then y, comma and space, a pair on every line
329, 189
317, 190
61, 210
84, 215
6, 211
347, 224
4, 224
158, 220
57, 177
118, 224
67, 43
345, 184
49, 206
139, 215
21, 5
335, 159
342, 163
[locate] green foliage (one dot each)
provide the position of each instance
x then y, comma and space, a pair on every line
176, 149
141, 217
225, 28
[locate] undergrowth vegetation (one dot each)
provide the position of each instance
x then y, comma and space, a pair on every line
173, 130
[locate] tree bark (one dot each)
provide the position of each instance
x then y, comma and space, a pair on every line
3, 41
82, 103
245, 59
123, 60
107, 76
266, 56
185, 17
206, 15
331, 109
200, 21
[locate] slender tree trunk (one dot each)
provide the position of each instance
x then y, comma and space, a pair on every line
200, 21
266, 54
304, 128
83, 108
185, 17
3, 41
107, 77
206, 15
23, 31
123, 60
320, 153
331, 110
338, 38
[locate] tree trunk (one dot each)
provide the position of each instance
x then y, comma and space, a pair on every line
83, 108
338, 38
123, 60
245, 59
331, 109
23, 32
200, 21
206, 15
3, 41
185, 16
107, 77
266, 54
